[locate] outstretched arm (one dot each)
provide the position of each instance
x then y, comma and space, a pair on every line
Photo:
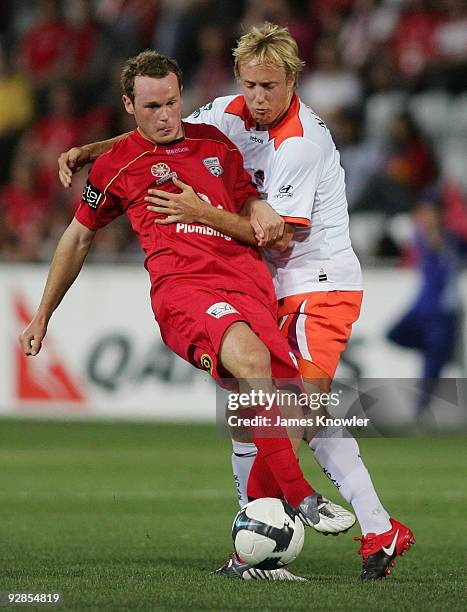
66, 264
76, 158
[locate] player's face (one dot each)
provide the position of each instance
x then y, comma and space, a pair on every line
157, 108
267, 91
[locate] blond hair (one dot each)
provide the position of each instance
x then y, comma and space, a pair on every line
269, 44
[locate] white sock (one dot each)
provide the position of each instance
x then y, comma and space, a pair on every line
338, 454
243, 456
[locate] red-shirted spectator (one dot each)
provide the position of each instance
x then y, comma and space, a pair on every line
450, 37
411, 161
45, 47
59, 128
455, 211
408, 167
89, 47
413, 40
20, 201
132, 22
214, 75
450, 48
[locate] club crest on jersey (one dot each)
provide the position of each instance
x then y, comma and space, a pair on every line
220, 309
213, 164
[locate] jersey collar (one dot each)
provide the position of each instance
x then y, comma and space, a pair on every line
289, 126
149, 145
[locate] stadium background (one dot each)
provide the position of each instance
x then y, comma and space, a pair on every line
390, 79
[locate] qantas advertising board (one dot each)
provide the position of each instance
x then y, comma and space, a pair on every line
103, 355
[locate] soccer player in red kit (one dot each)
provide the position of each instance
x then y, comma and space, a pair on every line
211, 295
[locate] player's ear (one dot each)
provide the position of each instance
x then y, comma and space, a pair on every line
128, 104
292, 80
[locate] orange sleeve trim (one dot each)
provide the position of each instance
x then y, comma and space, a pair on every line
297, 220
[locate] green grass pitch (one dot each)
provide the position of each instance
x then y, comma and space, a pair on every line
123, 516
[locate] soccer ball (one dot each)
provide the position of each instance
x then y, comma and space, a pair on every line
267, 533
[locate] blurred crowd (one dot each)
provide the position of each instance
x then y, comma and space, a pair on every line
388, 76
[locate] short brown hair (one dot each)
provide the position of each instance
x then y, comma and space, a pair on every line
269, 44
147, 63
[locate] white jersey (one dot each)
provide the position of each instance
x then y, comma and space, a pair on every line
296, 168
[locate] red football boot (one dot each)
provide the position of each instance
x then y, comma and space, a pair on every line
379, 550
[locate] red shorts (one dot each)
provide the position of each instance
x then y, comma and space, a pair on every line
193, 321
317, 326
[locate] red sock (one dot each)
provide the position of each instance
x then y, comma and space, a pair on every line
279, 456
261, 482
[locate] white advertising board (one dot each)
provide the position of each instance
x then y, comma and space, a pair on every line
103, 355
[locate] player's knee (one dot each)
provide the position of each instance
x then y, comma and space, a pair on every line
255, 363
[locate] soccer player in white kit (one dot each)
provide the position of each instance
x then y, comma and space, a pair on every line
293, 161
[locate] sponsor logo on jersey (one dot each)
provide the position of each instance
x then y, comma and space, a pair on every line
286, 191
91, 195
207, 363
176, 150
259, 178
213, 164
160, 169
220, 309
254, 138
162, 172
188, 228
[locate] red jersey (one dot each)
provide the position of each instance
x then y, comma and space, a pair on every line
191, 253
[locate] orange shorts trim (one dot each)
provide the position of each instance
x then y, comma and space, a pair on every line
318, 325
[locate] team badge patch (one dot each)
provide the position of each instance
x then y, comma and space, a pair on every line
221, 309
213, 164
91, 195
207, 363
